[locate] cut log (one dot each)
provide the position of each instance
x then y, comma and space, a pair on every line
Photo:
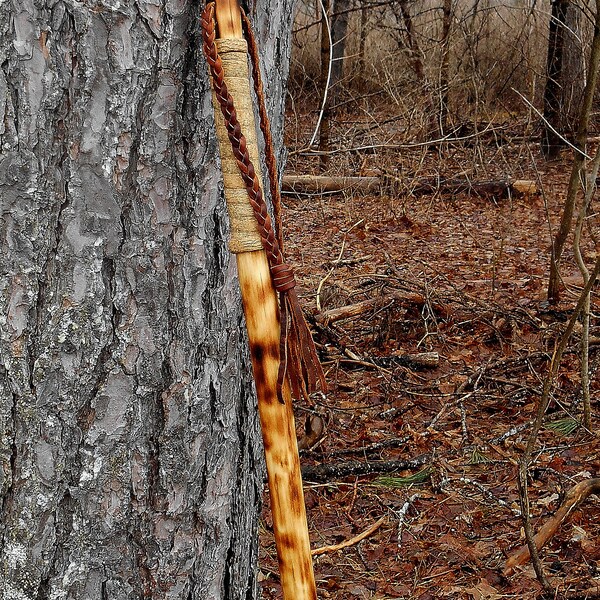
316, 184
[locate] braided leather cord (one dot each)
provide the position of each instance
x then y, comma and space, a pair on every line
298, 357
270, 159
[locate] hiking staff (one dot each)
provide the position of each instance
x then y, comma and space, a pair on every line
283, 355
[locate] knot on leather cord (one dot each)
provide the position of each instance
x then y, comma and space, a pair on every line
283, 277
298, 357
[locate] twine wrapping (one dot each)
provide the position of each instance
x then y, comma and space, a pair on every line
245, 236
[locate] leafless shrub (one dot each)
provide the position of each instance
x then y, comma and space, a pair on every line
397, 49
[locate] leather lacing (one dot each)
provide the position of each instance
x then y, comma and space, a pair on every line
298, 356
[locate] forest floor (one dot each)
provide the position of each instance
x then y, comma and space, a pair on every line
463, 276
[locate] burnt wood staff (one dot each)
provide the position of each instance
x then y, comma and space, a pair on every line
283, 356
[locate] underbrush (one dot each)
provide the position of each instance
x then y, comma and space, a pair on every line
427, 299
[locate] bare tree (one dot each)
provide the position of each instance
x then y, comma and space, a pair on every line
444, 85
412, 44
552, 140
325, 82
579, 162
572, 82
130, 461
339, 33
363, 33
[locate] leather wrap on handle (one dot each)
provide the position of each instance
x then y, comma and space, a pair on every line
245, 236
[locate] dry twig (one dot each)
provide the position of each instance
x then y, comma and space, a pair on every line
352, 541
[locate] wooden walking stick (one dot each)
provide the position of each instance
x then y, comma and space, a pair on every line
283, 357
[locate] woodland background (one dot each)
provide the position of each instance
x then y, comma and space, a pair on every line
446, 241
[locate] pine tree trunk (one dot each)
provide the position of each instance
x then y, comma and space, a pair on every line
130, 458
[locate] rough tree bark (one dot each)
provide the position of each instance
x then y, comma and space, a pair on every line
339, 33
579, 162
407, 39
130, 458
444, 86
565, 81
552, 143
326, 54
574, 74
363, 33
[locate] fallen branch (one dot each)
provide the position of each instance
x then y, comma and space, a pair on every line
496, 189
488, 495
353, 310
329, 472
420, 360
374, 447
352, 541
574, 498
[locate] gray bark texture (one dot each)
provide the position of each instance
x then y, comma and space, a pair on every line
130, 456
572, 77
339, 34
